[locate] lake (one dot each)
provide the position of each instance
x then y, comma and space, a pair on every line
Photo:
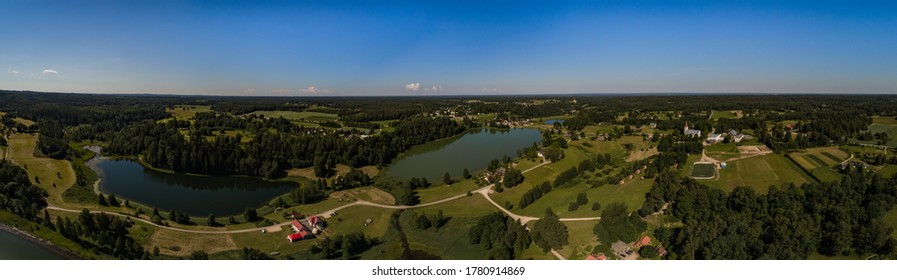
472, 150
554, 121
194, 195
18, 248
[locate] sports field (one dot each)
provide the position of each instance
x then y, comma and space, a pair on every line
703, 170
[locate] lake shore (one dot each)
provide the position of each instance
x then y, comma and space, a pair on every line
59, 251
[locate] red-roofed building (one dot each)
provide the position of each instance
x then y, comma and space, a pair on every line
599, 257
293, 237
644, 241
298, 227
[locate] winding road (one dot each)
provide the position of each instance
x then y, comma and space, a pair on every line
485, 191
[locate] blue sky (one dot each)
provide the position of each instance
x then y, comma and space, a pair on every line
448, 47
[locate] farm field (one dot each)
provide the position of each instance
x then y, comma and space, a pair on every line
759, 172
819, 162
186, 112
299, 116
573, 156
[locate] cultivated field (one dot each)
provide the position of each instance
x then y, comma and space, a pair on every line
819, 157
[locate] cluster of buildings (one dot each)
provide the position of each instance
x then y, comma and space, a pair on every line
714, 138
305, 228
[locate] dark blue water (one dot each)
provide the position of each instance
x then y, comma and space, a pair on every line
194, 195
554, 121
14, 247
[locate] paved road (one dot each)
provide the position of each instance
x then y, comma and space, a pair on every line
484, 191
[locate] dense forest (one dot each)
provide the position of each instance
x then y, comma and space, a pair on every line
790, 222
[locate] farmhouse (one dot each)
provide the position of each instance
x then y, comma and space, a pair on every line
644, 241
714, 138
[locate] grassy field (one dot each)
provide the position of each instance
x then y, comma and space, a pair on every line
581, 240
176, 243
445, 191
888, 171
299, 116
811, 159
890, 219
450, 241
759, 172
703, 170
54, 176
24, 121
632, 194
548, 172
884, 120
341, 169
820, 161
723, 151
186, 112
371, 194
245, 137
726, 115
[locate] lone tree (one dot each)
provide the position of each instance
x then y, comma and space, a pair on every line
549, 233
250, 215
466, 174
447, 179
211, 222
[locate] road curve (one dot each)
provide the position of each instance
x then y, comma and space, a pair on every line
485, 191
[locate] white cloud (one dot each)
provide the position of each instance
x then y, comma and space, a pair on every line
14, 72
413, 86
436, 88
308, 90
249, 90
50, 72
492, 90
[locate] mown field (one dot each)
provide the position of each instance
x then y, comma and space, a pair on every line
298, 116
759, 172
820, 161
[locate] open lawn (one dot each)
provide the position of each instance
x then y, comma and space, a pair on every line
386, 125
245, 137
24, 121
890, 129
581, 240
299, 116
632, 194
888, 171
890, 219
54, 176
759, 172
726, 114
573, 156
371, 194
341, 169
176, 243
353, 219
445, 191
186, 112
449, 242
